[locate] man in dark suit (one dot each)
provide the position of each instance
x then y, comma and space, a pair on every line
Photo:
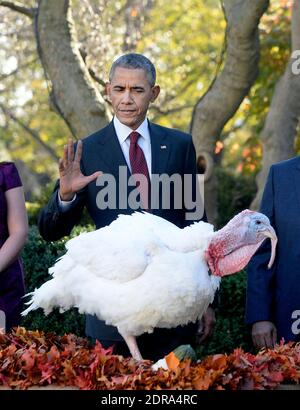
273, 295
131, 143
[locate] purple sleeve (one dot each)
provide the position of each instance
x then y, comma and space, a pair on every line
11, 178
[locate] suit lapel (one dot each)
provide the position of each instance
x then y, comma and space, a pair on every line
160, 149
111, 151
112, 154
296, 180
160, 152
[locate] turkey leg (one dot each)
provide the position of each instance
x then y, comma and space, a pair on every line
133, 347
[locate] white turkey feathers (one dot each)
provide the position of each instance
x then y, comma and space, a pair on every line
138, 273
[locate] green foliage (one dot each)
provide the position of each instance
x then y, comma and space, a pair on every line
235, 193
275, 30
243, 151
185, 40
34, 208
230, 330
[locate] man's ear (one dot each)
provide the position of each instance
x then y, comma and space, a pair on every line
155, 92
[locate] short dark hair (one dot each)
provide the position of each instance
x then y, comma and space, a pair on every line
135, 61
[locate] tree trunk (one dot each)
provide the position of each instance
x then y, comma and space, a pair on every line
229, 88
73, 93
281, 124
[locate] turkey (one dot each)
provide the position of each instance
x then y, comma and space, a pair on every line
142, 272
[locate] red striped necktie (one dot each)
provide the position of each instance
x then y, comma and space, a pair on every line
139, 166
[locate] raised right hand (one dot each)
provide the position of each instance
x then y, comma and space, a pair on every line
71, 177
264, 334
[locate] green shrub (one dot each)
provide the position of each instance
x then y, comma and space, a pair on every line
230, 330
34, 208
235, 193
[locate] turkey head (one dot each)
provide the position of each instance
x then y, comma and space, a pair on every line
232, 247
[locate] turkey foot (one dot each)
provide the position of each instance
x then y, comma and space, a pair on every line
133, 347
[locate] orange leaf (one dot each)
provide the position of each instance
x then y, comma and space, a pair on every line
219, 361
172, 361
28, 357
202, 383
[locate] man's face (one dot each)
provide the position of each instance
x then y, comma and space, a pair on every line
131, 93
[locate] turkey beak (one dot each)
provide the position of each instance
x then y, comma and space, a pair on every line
270, 233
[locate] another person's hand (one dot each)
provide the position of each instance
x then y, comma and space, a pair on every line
264, 334
71, 178
206, 325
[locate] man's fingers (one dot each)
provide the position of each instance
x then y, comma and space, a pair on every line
264, 334
262, 340
202, 336
65, 155
205, 331
274, 336
94, 176
255, 342
70, 150
206, 325
258, 340
61, 166
211, 329
201, 339
78, 152
268, 340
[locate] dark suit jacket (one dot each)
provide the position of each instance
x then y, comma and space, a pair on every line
102, 151
274, 294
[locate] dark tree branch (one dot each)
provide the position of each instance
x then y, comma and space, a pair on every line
181, 90
234, 128
96, 78
92, 73
235, 74
20, 67
102, 83
4, 76
283, 118
71, 88
33, 133
135, 14
19, 7
171, 110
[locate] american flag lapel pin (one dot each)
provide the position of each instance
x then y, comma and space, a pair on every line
163, 147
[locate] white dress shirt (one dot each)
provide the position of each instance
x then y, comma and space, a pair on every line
123, 133
144, 141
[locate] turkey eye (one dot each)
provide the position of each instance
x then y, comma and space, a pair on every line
258, 222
